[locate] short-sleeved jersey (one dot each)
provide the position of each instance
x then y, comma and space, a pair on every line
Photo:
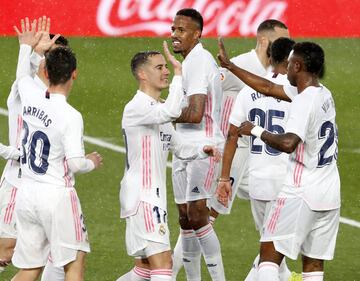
11, 171
52, 133
201, 76
148, 137
232, 85
267, 166
312, 169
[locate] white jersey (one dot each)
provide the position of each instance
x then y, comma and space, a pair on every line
267, 166
52, 134
312, 170
201, 76
11, 171
232, 85
148, 138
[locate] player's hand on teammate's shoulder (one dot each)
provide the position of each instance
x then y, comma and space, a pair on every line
45, 43
96, 158
223, 191
222, 55
245, 128
175, 63
213, 152
27, 33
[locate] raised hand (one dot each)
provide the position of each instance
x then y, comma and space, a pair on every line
213, 151
175, 63
27, 35
224, 192
222, 55
45, 43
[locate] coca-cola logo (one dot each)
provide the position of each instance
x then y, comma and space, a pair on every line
242, 17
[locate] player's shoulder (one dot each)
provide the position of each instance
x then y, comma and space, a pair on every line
243, 59
72, 113
140, 104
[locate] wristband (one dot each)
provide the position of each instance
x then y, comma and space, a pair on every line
257, 131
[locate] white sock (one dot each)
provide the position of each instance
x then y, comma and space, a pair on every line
177, 258
210, 247
284, 272
160, 274
52, 273
136, 274
2, 268
191, 255
252, 275
313, 276
268, 271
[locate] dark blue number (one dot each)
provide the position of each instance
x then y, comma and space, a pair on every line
257, 116
44, 150
271, 114
265, 120
328, 131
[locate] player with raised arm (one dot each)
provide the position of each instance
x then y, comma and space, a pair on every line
48, 212
149, 136
256, 61
10, 179
305, 217
194, 182
267, 166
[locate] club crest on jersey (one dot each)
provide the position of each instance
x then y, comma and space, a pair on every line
162, 229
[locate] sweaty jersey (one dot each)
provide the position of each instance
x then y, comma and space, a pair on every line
148, 138
267, 166
11, 171
52, 133
232, 85
201, 76
312, 169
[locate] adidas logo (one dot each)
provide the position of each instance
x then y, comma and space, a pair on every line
195, 190
211, 265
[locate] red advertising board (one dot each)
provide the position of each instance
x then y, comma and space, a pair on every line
305, 18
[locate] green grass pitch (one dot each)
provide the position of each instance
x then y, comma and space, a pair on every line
105, 85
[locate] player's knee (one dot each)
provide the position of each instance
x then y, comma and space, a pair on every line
310, 264
269, 253
7, 250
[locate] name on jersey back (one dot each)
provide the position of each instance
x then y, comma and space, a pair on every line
38, 113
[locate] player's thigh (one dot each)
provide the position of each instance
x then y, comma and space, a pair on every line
75, 269
258, 210
321, 239
147, 232
161, 260
201, 179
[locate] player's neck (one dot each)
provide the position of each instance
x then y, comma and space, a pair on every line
306, 80
150, 91
62, 89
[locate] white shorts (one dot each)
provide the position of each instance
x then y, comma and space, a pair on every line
295, 228
194, 180
49, 220
147, 232
7, 210
260, 210
238, 176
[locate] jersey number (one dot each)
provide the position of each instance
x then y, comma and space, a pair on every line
265, 120
328, 132
37, 140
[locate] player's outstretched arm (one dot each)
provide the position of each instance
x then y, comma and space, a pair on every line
283, 142
258, 83
224, 190
27, 34
81, 165
96, 158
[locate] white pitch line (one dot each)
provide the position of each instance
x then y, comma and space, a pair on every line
121, 149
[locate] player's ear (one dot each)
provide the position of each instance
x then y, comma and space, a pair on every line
74, 74
141, 74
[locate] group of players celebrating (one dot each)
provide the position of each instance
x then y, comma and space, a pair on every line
234, 126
